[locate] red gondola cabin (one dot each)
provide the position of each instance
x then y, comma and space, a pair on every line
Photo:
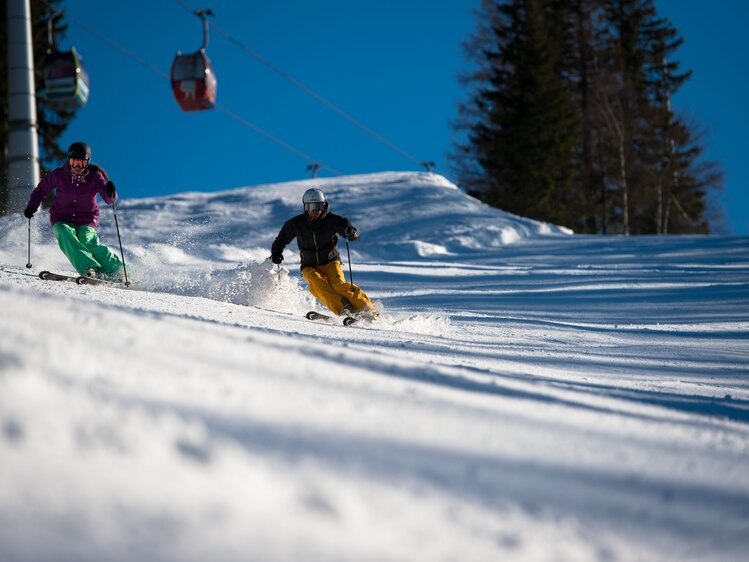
193, 81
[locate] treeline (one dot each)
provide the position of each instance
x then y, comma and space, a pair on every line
51, 121
569, 118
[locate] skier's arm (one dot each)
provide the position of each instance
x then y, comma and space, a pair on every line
347, 230
42, 190
105, 187
284, 238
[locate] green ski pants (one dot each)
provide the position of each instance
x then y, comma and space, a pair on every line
81, 246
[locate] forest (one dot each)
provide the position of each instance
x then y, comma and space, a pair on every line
569, 119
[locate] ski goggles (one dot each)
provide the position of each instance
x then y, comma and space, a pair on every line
78, 163
316, 206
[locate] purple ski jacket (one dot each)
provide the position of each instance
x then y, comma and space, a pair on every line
75, 196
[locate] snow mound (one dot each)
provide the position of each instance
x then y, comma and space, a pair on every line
401, 215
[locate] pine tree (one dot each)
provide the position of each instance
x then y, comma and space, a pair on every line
584, 76
681, 181
570, 118
661, 154
621, 99
525, 147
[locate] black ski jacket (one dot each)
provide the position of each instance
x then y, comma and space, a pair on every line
317, 240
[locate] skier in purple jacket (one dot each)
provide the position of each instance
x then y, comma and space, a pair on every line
75, 214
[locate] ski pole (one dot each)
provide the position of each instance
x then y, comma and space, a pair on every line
350, 275
122, 254
28, 263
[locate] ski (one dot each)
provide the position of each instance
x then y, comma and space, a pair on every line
347, 320
80, 279
83, 280
49, 276
362, 318
312, 315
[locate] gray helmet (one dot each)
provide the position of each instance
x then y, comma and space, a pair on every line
314, 200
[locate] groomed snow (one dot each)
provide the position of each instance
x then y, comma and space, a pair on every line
529, 394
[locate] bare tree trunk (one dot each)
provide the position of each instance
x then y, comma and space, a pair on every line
604, 191
623, 174
659, 211
615, 126
671, 154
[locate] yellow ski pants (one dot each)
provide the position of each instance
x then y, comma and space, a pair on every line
328, 285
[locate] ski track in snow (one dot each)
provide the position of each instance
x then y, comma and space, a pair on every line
527, 395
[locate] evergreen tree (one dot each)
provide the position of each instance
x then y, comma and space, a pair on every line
583, 74
661, 163
681, 180
569, 119
525, 147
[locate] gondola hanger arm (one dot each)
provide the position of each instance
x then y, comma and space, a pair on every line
203, 15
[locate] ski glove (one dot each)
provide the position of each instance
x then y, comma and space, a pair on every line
350, 233
276, 258
28, 212
111, 189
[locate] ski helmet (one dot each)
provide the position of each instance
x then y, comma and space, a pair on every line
79, 150
314, 200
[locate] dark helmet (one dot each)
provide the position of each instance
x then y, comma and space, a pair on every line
79, 150
314, 200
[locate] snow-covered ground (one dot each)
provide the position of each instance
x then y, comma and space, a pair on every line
529, 394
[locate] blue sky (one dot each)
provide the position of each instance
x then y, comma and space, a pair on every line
392, 65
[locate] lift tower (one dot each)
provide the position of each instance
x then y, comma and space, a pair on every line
23, 145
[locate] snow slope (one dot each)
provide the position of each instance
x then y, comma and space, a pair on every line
529, 395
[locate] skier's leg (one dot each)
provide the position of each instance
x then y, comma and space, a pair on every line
321, 290
334, 274
110, 262
78, 254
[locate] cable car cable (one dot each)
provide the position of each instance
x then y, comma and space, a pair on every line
224, 110
117, 47
276, 140
308, 90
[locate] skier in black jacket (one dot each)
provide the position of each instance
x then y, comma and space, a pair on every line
316, 231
